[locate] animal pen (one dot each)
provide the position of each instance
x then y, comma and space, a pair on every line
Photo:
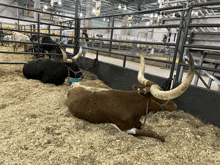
37, 128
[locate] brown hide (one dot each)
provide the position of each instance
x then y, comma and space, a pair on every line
123, 108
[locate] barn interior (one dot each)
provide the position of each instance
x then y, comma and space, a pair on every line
36, 125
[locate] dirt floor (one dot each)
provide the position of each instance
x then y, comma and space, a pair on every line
37, 128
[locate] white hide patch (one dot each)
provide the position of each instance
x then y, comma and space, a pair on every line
94, 85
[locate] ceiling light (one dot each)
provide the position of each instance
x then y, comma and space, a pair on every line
81, 14
59, 3
119, 6
45, 7
103, 19
147, 23
93, 10
107, 20
125, 7
129, 24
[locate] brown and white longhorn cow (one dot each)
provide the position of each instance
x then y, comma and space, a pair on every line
95, 102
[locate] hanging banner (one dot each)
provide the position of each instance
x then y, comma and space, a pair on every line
98, 8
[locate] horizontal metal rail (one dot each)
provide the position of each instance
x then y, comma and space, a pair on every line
202, 67
205, 72
206, 4
137, 27
18, 7
127, 55
35, 43
202, 46
12, 62
204, 25
35, 53
19, 19
132, 41
36, 33
180, 7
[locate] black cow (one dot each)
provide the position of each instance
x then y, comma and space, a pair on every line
49, 71
43, 48
50, 48
70, 41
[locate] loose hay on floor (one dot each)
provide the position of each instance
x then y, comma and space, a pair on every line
37, 128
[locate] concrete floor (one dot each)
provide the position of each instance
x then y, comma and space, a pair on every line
159, 71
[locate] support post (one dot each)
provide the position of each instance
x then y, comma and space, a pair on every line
177, 47
38, 38
182, 48
110, 46
124, 62
77, 29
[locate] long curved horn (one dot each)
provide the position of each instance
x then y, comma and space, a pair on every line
73, 59
61, 42
157, 92
79, 54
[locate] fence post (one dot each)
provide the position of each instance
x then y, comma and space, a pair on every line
177, 46
110, 46
38, 31
124, 62
182, 48
77, 29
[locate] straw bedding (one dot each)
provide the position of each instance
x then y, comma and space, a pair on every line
37, 128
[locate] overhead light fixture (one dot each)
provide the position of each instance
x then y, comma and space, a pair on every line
59, 2
129, 24
119, 6
125, 7
81, 14
103, 19
107, 20
45, 7
147, 23
93, 10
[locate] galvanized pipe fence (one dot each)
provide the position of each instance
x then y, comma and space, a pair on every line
180, 44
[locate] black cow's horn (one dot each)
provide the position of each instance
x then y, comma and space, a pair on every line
70, 60
157, 92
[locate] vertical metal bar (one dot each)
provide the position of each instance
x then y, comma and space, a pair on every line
199, 71
182, 45
97, 54
124, 62
38, 31
210, 80
110, 46
31, 30
77, 29
48, 29
60, 31
177, 46
18, 25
